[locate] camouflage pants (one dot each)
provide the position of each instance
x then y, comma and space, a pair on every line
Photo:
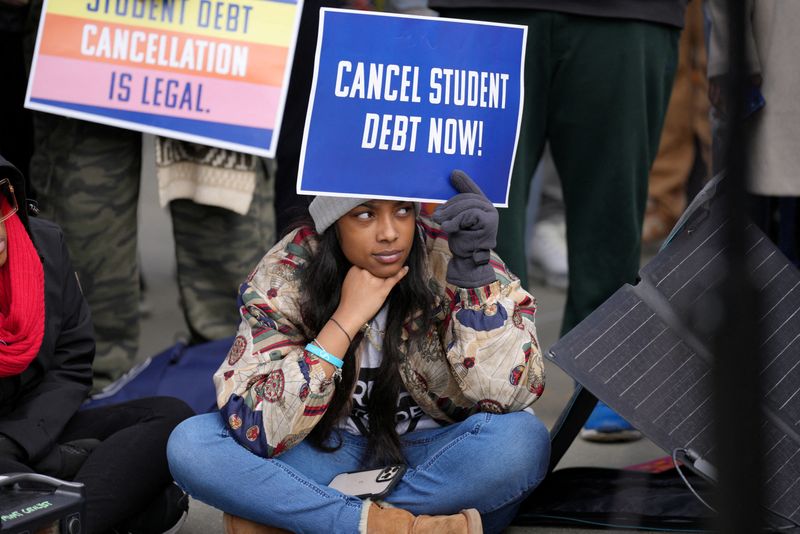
215, 250
87, 180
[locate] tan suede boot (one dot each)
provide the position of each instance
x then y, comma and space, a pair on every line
398, 521
232, 524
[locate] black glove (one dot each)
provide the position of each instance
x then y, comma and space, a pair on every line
470, 221
11, 450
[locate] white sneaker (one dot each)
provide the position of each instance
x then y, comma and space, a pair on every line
548, 254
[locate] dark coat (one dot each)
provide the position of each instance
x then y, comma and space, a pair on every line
36, 405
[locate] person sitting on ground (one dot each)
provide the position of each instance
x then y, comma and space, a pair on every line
373, 337
46, 351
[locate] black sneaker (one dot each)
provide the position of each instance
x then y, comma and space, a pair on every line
165, 515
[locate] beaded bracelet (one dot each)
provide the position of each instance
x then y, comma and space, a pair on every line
324, 355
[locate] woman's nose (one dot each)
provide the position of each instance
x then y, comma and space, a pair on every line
386, 229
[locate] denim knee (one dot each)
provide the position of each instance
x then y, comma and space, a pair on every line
525, 445
182, 450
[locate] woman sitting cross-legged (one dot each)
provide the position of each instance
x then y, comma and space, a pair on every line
379, 338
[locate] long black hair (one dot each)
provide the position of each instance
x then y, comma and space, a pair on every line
320, 298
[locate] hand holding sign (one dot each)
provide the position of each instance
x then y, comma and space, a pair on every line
471, 222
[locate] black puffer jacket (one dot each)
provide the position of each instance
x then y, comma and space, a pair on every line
36, 405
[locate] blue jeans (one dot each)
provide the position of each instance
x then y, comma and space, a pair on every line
489, 462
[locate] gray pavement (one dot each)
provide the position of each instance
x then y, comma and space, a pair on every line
165, 324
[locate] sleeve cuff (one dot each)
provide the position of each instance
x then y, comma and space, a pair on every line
478, 297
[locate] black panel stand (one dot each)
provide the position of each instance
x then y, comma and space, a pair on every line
569, 423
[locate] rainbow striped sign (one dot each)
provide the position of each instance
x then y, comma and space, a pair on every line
209, 71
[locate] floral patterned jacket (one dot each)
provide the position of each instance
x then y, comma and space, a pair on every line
479, 354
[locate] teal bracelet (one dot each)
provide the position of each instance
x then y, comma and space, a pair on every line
327, 356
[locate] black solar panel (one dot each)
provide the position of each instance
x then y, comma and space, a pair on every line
645, 351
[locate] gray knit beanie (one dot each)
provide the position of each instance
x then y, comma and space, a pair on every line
326, 210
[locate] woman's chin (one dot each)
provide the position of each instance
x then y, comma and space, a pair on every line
385, 271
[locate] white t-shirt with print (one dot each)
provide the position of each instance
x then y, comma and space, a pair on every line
409, 417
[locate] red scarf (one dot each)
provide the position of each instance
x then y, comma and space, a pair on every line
21, 301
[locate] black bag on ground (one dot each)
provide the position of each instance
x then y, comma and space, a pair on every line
617, 498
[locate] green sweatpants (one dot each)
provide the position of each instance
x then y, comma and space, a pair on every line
597, 89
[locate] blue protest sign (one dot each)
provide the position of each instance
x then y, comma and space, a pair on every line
398, 102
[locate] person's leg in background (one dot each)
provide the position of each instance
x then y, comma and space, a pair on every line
215, 250
547, 244
686, 129
86, 178
604, 141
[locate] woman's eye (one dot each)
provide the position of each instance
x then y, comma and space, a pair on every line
364, 215
404, 211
